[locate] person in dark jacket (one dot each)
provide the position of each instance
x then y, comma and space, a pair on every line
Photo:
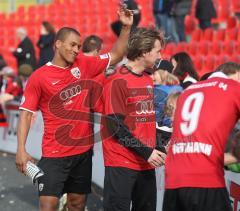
25, 53
181, 9
131, 5
162, 11
205, 12
45, 43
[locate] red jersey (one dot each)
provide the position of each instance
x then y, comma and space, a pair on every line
205, 115
130, 95
63, 97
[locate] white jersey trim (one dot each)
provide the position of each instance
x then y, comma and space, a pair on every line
189, 79
164, 128
51, 64
25, 109
109, 61
219, 75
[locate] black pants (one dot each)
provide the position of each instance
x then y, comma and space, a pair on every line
123, 186
196, 199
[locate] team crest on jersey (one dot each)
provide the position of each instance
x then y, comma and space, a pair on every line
76, 72
40, 186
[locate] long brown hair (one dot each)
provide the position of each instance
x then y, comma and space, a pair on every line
184, 66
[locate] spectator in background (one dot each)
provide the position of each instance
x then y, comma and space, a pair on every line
45, 43
25, 70
92, 45
11, 86
205, 12
181, 9
131, 5
25, 53
184, 69
162, 10
165, 84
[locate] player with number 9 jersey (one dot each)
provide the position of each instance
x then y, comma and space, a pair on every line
205, 115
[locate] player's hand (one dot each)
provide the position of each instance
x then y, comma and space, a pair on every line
125, 16
229, 158
5, 98
22, 157
157, 158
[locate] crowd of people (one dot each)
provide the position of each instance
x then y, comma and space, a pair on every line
155, 112
170, 16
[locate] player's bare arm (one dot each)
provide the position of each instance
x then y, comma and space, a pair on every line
22, 157
119, 48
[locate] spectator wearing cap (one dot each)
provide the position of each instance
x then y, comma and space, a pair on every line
165, 83
25, 53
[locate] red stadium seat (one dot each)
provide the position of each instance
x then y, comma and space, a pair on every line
219, 35
190, 24
208, 34
182, 46
196, 35
223, 58
198, 63
232, 22
232, 34
203, 47
170, 49
209, 64
236, 5
193, 48
235, 58
229, 48
215, 48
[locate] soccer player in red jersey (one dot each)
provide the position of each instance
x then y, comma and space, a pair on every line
206, 113
60, 90
130, 128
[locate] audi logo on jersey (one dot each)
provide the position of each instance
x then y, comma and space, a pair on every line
145, 107
71, 92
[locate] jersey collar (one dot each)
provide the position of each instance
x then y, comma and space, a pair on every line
51, 64
219, 75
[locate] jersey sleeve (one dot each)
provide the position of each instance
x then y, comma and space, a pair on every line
98, 64
32, 94
237, 98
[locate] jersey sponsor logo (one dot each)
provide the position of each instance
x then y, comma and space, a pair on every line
71, 92
76, 72
145, 107
192, 147
22, 100
104, 56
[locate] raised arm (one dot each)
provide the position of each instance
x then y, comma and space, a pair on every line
119, 48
